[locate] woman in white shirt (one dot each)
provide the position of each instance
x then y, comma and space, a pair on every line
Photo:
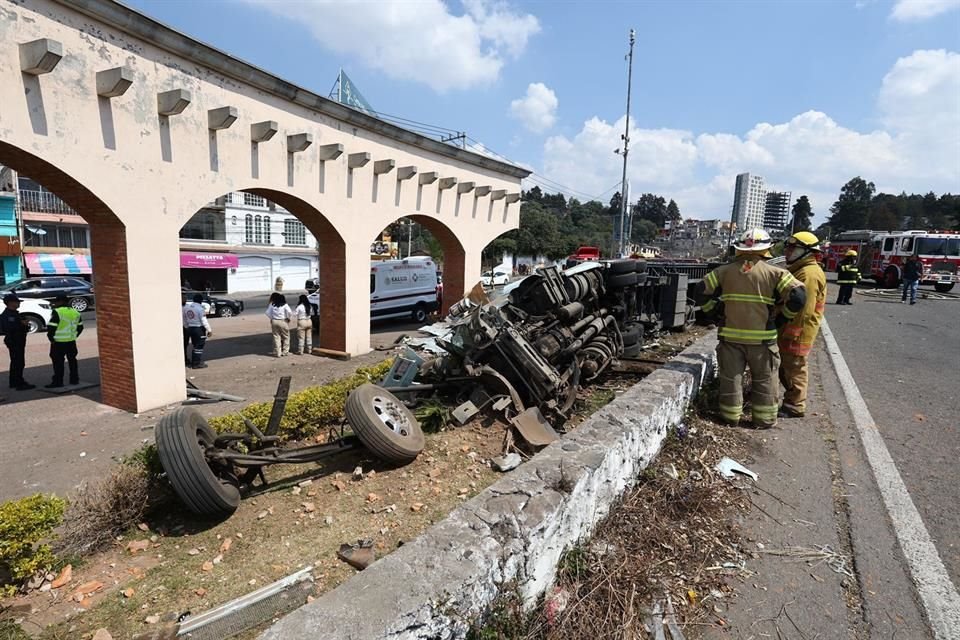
304, 325
279, 313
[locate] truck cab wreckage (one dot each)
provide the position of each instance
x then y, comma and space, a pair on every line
524, 354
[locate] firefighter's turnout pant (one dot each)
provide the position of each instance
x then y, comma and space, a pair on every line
793, 376
763, 360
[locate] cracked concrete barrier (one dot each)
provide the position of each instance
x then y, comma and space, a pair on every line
515, 530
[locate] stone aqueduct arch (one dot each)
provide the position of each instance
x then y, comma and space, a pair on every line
138, 126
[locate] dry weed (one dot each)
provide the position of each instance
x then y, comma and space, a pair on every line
102, 510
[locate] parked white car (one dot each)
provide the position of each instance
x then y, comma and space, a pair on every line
494, 278
36, 312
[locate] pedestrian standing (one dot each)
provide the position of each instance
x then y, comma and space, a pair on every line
64, 328
753, 299
795, 338
304, 326
196, 330
279, 313
14, 329
847, 276
912, 273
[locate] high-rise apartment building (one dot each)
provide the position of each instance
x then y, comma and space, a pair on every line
776, 211
749, 201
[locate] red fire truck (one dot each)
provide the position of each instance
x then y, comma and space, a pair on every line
881, 255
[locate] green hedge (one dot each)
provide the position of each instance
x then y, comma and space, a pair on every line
24, 526
307, 411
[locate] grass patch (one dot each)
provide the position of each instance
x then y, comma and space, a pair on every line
26, 527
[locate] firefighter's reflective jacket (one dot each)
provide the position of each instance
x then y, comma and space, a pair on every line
756, 297
848, 273
797, 335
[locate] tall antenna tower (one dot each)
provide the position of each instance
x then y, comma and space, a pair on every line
624, 204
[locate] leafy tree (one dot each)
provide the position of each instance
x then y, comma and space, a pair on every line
801, 215
653, 208
882, 218
851, 208
643, 231
534, 195
673, 212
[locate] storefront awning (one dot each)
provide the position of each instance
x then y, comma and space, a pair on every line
192, 260
39, 264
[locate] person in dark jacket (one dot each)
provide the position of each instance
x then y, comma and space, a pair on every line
912, 273
847, 276
15, 331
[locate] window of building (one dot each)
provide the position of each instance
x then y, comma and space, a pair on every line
64, 236
258, 229
294, 233
205, 225
252, 200
248, 229
266, 230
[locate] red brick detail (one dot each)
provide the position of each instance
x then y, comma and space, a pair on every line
109, 253
454, 261
333, 254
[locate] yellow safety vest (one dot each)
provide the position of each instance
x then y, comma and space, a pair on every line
66, 328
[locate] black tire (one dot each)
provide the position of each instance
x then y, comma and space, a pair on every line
34, 323
942, 287
225, 311
632, 351
80, 304
891, 278
419, 313
181, 438
632, 333
384, 424
622, 280
622, 266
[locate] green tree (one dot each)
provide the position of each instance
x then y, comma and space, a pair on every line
801, 215
644, 231
851, 208
673, 212
653, 208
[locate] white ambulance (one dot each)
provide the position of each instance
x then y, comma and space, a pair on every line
403, 288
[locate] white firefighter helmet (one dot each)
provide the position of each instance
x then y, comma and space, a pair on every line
753, 241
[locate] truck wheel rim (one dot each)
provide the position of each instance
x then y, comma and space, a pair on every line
392, 415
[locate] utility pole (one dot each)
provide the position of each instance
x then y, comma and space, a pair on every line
626, 150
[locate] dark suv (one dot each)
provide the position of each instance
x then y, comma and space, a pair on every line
78, 291
220, 307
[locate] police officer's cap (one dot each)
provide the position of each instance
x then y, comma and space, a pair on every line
10, 297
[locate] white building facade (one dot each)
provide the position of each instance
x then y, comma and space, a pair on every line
244, 242
749, 201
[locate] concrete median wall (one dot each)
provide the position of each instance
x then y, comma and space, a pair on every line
516, 529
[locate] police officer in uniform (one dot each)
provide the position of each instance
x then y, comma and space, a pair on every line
64, 328
196, 330
796, 337
847, 275
14, 331
752, 298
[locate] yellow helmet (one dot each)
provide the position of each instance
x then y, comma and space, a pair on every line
804, 239
850, 254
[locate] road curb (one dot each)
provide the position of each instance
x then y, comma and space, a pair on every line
515, 530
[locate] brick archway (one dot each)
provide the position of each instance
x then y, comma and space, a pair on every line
454, 259
332, 249
108, 248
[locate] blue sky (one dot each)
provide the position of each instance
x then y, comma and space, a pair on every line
806, 93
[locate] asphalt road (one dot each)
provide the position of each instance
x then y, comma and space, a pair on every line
904, 359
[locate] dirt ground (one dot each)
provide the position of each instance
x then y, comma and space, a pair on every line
175, 564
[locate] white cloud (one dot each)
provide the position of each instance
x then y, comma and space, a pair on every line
916, 10
916, 149
418, 41
538, 109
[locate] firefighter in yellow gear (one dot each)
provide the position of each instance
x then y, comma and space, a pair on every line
796, 337
751, 299
848, 275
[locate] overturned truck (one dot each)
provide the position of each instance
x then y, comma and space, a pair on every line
524, 354
549, 333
